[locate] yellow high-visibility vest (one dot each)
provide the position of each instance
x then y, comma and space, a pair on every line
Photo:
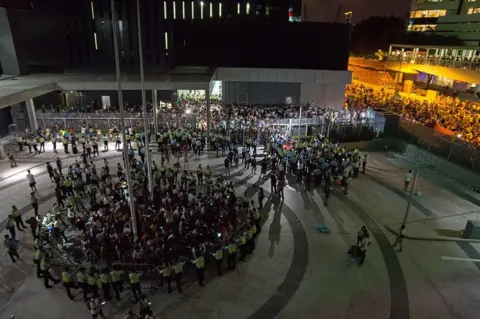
66, 277
200, 262
134, 278
80, 277
105, 279
219, 254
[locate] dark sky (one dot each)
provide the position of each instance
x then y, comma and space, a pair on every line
331, 10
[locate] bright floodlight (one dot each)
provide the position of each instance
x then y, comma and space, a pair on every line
459, 135
201, 3
188, 111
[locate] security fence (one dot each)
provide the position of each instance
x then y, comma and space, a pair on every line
448, 147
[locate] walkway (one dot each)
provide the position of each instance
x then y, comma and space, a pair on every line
296, 271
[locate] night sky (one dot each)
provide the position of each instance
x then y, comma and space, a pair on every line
332, 10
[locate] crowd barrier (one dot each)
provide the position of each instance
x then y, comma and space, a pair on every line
446, 147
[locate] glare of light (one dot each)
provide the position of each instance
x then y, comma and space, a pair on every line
201, 3
183, 10
201, 9
211, 9
165, 10
166, 40
92, 8
220, 9
188, 111
459, 135
174, 10
95, 40
238, 8
193, 10
412, 61
248, 8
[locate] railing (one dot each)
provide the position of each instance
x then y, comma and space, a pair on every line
459, 64
448, 147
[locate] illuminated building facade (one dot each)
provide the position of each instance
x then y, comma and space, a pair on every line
459, 18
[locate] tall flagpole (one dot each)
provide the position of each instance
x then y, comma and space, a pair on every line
144, 103
122, 118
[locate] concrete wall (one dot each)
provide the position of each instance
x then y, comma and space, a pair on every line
260, 92
322, 87
8, 54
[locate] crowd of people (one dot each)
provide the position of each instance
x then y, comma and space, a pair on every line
459, 116
193, 217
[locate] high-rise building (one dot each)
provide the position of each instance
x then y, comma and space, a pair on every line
459, 18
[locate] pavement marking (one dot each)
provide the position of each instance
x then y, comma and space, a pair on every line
460, 259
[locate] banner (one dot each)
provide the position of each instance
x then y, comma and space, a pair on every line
443, 130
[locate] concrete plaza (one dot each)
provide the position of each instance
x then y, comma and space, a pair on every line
295, 272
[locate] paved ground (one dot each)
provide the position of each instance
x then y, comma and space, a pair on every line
296, 271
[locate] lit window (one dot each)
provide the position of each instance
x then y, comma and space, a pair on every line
220, 9
211, 9
95, 40
166, 40
428, 13
238, 8
422, 27
473, 10
193, 10
174, 10
92, 9
165, 10
183, 10
248, 8
201, 9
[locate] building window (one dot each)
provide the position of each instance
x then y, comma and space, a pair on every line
220, 9
193, 10
183, 10
428, 13
473, 10
92, 9
422, 27
174, 10
247, 7
95, 40
165, 10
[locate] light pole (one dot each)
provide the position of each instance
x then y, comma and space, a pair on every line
407, 211
300, 123
122, 118
144, 103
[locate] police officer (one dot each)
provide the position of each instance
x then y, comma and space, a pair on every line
232, 255
105, 280
37, 257
18, 218
143, 305
67, 282
42, 144
82, 283
218, 254
135, 284
46, 273
178, 268
200, 174
92, 282
20, 143
242, 242
166, 271
117, 281
200, 269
